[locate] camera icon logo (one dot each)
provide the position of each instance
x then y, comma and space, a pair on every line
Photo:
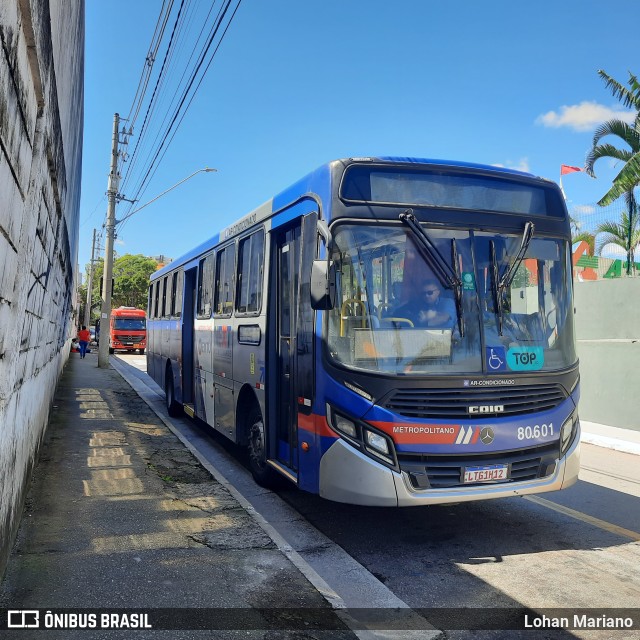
23, 619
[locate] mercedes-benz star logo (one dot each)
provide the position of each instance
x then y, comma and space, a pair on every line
486, 435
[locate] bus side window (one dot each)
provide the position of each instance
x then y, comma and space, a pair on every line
250, 270
155, 299
176, 295
150, 298
164, 309
205, 287
223, 302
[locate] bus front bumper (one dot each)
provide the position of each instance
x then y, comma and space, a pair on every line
347, 475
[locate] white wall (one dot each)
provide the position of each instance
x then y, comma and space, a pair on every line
608, 334
41, 119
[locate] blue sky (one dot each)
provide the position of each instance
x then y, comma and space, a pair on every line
296, 83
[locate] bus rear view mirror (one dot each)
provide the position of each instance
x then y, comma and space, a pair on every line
323, 285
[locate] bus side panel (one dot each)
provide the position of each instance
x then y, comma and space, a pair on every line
204, 399
151, 351
175, 355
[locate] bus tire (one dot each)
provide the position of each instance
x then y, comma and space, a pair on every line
262, 473
141, 351
173, 408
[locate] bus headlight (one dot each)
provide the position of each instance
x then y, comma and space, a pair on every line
376, 441
567, 432
342, 424
379, 445
345, 425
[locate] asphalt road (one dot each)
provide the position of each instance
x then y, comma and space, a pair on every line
579, 548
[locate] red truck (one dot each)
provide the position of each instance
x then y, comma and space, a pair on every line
127, 330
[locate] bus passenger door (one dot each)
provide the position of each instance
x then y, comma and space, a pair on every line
188, 312
294, 251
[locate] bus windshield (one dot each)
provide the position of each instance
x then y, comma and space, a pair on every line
394, 316
129, 324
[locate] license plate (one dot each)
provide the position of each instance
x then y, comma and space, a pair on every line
128, 344
489, 473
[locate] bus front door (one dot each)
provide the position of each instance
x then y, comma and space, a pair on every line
294, 252
187, 373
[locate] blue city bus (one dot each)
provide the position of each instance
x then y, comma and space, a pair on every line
288, 333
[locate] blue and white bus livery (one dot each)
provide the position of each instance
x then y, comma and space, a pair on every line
286, 333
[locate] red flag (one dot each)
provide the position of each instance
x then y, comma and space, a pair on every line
565, 168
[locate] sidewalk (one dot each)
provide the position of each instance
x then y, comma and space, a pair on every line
121, 516
625, 440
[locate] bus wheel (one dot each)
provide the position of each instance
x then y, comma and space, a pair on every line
141, 351
173, 408
262, 473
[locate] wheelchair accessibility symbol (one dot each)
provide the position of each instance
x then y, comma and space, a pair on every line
496, 359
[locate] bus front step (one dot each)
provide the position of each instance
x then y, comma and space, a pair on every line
189, 409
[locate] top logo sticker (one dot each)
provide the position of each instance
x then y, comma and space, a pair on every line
525, 358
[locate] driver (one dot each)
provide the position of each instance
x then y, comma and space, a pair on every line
429, 309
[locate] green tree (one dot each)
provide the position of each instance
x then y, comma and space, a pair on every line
625, 234
589, 238
629, 176
130, 281
131, 274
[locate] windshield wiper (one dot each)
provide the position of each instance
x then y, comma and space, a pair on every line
507, 278
458, 289
495, 285
502, 283
440, 267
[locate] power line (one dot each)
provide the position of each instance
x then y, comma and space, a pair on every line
155, 90
204, 60
196, 89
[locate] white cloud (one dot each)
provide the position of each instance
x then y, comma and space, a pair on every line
584, 116
519, 165
614, 251
583, 209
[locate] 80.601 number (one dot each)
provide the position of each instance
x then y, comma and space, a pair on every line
535, 432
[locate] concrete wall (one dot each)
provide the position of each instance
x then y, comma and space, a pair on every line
41, 120
608, 333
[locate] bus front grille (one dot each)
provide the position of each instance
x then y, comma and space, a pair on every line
456, 403
131, 339
445, 471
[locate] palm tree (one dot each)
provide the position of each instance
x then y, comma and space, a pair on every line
625, 234
589, 238
629, 176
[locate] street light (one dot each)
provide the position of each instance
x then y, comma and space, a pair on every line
206, 170
112, 191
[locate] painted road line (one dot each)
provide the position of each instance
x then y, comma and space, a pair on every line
578, 515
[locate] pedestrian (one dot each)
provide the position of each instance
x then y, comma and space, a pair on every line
83, 340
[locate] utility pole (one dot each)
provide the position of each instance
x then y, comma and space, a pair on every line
112, 192
87, 310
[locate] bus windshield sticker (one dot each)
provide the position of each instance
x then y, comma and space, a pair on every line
468, 281
525, 358
496, 359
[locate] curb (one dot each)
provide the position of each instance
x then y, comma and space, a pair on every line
602, 435
423, 631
